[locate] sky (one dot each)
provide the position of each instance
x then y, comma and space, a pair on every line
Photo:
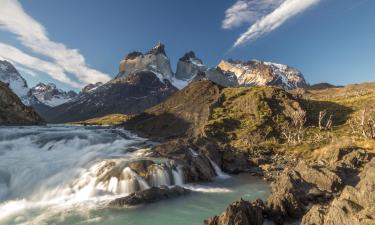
73, 43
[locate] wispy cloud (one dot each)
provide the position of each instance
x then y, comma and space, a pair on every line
248, 11
16, 56
265, 16
33, 35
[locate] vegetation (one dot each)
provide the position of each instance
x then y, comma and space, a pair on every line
264, 117
110, 120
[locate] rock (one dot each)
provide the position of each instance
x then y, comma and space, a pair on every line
197, 167
355, 205
91, 87
151, 195
240, 213
13, 111
141, 166
320, 176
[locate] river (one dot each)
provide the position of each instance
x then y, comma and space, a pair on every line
46, 177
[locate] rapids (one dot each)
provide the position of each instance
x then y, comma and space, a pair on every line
67, 174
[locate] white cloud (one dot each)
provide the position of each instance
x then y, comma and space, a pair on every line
16, 56
34, 36
248, 11
266, 21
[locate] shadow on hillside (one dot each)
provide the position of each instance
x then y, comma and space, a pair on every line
161, 127
313, 107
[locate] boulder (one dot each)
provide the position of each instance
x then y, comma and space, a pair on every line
240, 213
151, 195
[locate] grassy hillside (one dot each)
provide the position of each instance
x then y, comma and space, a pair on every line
247, 119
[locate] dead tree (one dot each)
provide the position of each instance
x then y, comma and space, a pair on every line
364, 123
322, 114
294, 130
325, 125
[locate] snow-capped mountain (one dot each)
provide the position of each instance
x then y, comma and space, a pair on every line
10, 76
49, 95
258, 73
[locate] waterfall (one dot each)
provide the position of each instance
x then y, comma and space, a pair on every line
159, 176
178, 176
218, 171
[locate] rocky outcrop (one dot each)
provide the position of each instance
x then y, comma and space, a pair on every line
91, 87
151, 195
155, 60
13, 111
129, 94
354, 206
240, 213
258, 73
225, 79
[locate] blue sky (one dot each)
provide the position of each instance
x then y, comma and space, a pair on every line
73, 43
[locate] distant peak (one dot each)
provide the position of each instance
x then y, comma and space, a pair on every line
158, 49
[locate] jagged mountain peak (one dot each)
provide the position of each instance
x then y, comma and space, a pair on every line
159, 48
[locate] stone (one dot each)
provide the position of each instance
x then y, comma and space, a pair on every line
240, 213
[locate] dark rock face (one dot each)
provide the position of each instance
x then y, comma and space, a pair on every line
240, 213
354, 206
127, 95
151, 195
13, 111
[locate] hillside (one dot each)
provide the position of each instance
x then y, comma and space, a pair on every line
13, 111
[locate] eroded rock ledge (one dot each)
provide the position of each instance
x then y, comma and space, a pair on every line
339, 189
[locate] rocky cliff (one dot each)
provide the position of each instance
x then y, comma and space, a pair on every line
13, 111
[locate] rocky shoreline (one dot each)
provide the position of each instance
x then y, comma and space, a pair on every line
339, 189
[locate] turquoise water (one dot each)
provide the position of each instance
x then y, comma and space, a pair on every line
192, 209
39, 165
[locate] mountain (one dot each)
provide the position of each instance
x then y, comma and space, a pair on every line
42, 95
259, 73
128, 94
49, 95
190, 68
10, 75
13, 111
